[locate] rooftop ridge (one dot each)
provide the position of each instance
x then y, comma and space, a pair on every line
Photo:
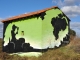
27, 15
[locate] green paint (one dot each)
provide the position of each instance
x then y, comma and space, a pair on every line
47, 29
32, 31
38, 32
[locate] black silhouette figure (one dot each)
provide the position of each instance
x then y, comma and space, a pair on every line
19, 45
13, 34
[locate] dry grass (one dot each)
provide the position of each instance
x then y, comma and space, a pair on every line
69, 52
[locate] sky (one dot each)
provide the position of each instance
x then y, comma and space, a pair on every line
10, 8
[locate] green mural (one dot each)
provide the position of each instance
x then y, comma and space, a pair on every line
39, 32
32, 31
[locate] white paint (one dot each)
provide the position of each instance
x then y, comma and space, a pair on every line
28, 54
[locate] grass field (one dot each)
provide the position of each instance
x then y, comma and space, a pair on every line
68, 52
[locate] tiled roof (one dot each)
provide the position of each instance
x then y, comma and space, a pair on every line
27, 15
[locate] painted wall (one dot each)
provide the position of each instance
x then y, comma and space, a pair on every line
47, 30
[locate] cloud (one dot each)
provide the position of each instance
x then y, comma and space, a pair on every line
0, 18
66, 2
75, 26
71, 11
0, 21
70, 7
69, 2
54, 1
58, 2
1, 30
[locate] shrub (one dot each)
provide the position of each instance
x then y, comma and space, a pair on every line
72, 32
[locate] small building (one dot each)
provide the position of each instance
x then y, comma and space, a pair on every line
36, 31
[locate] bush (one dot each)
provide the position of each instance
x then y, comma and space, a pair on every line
72, 32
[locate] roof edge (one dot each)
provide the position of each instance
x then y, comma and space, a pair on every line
27, 15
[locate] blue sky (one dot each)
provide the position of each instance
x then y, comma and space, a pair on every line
9, 8
71, 8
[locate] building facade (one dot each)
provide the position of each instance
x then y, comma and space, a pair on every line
36, 31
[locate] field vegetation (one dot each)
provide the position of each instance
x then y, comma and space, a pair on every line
68, 52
